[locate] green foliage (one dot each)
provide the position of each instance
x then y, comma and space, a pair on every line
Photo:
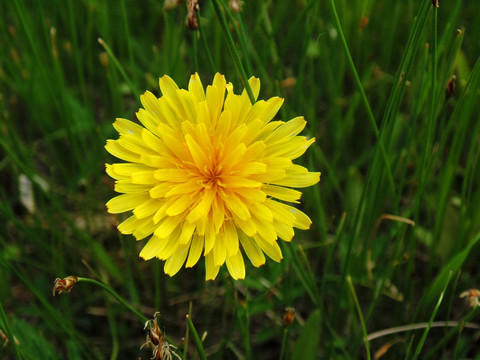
394, 148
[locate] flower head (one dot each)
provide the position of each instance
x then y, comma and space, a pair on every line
64, 285
208, 172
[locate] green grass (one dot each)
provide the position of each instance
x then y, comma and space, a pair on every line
395, 216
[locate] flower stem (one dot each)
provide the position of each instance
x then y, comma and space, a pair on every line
196, 338
204, 42
284, 340
360, 316
233, 50
115, 295
119, 67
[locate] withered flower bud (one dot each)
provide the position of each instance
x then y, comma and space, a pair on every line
161, 349
288, 317
192, 7
235, 5
471, 296
64, 285
450, 88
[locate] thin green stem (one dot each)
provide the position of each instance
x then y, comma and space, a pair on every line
205, 44
116, 296
119, 67
360, 315
233, 51
432, 317
128, 41
196, 338
363, 96
187, 335
284, 340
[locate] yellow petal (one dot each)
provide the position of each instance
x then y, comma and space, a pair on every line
196, 152
180, 205
168, 87
124, 126
144, 230
262, 212
170, 246
152, 247
113, 174
196, 88
129, 225
126, 186
210, 237
147, 208
184, 188
195, 252
254, 195
117, 150
247, 226
281, 212
289, 129
299, 180
282, 193
291, 149
252, 250
152, 141
144, 177
302, 221
203, 206
187, 233
127, 169
284, 231
126, 202
237, 206
211, 270
219, 249
171, 175
168, 225
231, 237
175, 262
236, 266
265, 229
270, 248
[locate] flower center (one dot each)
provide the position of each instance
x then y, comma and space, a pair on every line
213, 177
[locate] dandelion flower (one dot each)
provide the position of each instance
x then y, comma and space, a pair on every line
209, 173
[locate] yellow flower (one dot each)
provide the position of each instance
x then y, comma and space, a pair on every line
209, 174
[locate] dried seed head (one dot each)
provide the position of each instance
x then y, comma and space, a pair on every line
471, 296
192, 7
161, 349
450, 88
64, 285
288, 317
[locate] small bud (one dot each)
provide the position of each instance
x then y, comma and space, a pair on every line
364, 22
192, 22
103, 57
471, 296
435, 3
235, 5
288, 317
64, 285
53, 33
450, 88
